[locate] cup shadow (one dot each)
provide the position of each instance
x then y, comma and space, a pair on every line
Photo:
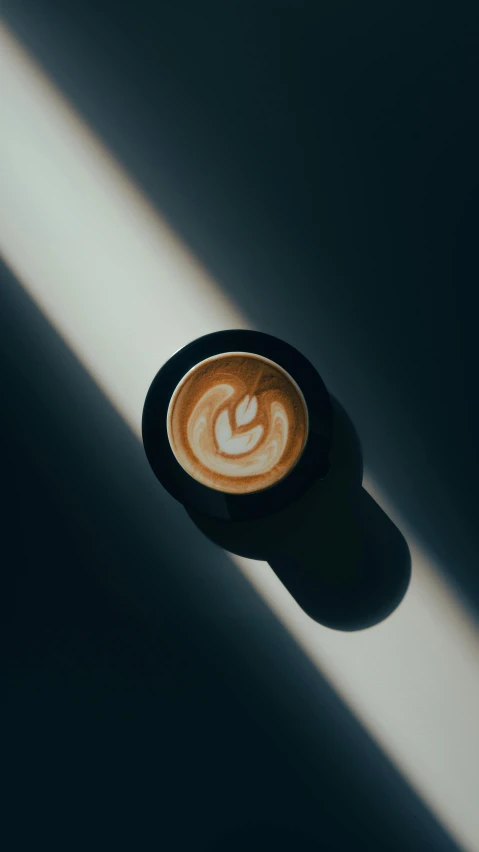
375, 591
337, 552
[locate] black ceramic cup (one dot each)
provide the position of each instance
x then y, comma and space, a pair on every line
281, 405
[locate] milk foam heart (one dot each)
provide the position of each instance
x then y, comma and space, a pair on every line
237, 423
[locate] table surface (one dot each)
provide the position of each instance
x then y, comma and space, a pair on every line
124, 291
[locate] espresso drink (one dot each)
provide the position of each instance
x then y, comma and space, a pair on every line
237, 423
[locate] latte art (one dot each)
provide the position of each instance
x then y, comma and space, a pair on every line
212, 440
237, 423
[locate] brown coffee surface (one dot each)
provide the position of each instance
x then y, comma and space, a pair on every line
237, 423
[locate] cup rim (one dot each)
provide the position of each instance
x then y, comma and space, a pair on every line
265, 360
312, 464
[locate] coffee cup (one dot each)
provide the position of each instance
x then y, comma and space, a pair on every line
237, 424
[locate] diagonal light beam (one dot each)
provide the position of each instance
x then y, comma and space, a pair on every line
125, 293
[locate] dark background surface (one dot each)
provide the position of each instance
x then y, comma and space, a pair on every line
322, 161
150, 699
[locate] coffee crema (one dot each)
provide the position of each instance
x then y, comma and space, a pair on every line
237, 423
